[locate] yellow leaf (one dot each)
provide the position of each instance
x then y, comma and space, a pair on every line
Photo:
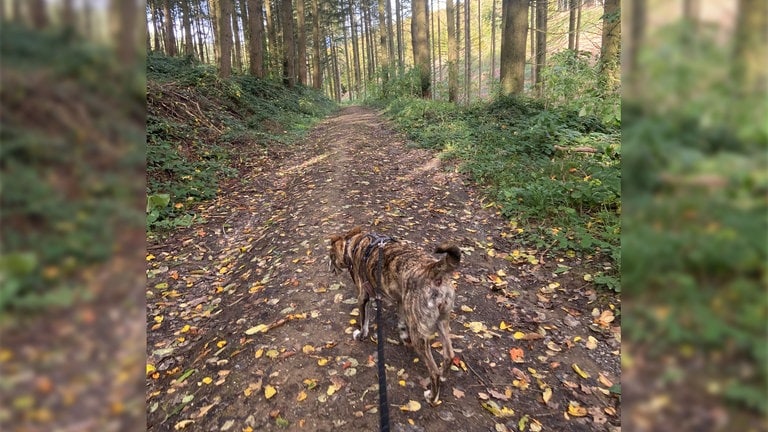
261, 328
302, 395
259, 352
476, 326
412, 405
466, 308
150, 257
269, 391
310, 383
332, 389
308, 349
547, 395
185, 328
223, 270
518, 335
504, 326
247, 429
273, 353
576, 410
150, 368
159, 319
322, 361
221, 343
207, 380
579, 371
402, 383
591, 343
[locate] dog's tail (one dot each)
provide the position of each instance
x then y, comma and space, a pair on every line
449, 262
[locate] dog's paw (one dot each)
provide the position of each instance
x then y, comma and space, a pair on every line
431, 398
356, 335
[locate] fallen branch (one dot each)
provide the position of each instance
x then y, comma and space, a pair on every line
576, 149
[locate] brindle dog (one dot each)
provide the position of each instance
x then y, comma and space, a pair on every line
418, 284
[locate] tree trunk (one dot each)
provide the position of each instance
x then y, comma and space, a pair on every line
355, 50
273, 52
439, 46
467, 52
572, 24
479, 52
577, 33
88, 20
126, 32
629, 49
236, 32
611, 43
67, 15
336, 75
400, 38
514, 32
691, 10
256, 38
225, 38
390, 34
368, 39
155, 25
532, 30
301, 43
493, 40
317, 77
187, 23
202, 48
433, 45
289, 44
384, 58
213, 7
348, 63
420, 40
541, 43
453, 52
751, 48
170, 34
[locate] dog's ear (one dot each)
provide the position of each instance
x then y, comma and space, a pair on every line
354, 231
334, 238
448, 263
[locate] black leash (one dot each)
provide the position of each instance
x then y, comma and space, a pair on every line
383, 405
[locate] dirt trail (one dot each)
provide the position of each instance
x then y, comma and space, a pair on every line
260, 263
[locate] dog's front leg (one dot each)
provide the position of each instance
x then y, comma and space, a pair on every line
433, 394
365, 318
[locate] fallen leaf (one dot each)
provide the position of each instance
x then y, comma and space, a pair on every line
261, 328
547, 395
301, 396
412, 405
496, 410
604, 381
466, 308
518, 335
458, 394
517, 354
591, 343
497, 395
207, 380
184, 423
322, 361
269, 391
579, 371
308, 349
576, 410
150, 368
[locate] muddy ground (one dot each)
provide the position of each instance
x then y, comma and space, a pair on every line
248, 330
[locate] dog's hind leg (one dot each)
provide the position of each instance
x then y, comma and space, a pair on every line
444, 333
405, 336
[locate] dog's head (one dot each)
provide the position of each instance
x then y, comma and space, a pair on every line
338, 249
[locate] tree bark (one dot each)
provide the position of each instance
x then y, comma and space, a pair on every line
479, 51
67, 15
272, 44
38, 13
236, 32
611, 43
513, 38
420, 40
630, 45
126, 32
467, 52
493, 40
256, 38
317, 77
301, 43
355, 49
289, 44
751, 48
453, 52
187, 23
541, 43
400, 38
170, 34
572, 24
225, 38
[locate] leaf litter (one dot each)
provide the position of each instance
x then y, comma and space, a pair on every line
249, 316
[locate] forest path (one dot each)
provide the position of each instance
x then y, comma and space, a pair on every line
248, 330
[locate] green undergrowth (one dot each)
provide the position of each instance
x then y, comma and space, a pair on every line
202, 129
72, 140
558, 200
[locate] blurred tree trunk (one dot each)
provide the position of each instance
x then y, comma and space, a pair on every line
38, 13
17, 13
479, 51
611, 44
126, 34
532, 37
577, 32
384, 58
317, 43
225, 38
187, 22
751, 48
691, 10
301, 43
170, 35
541, 43
289, 43
634, 40
420, 40
439, 44
453, 52
68, 15
256, 38
513, 35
